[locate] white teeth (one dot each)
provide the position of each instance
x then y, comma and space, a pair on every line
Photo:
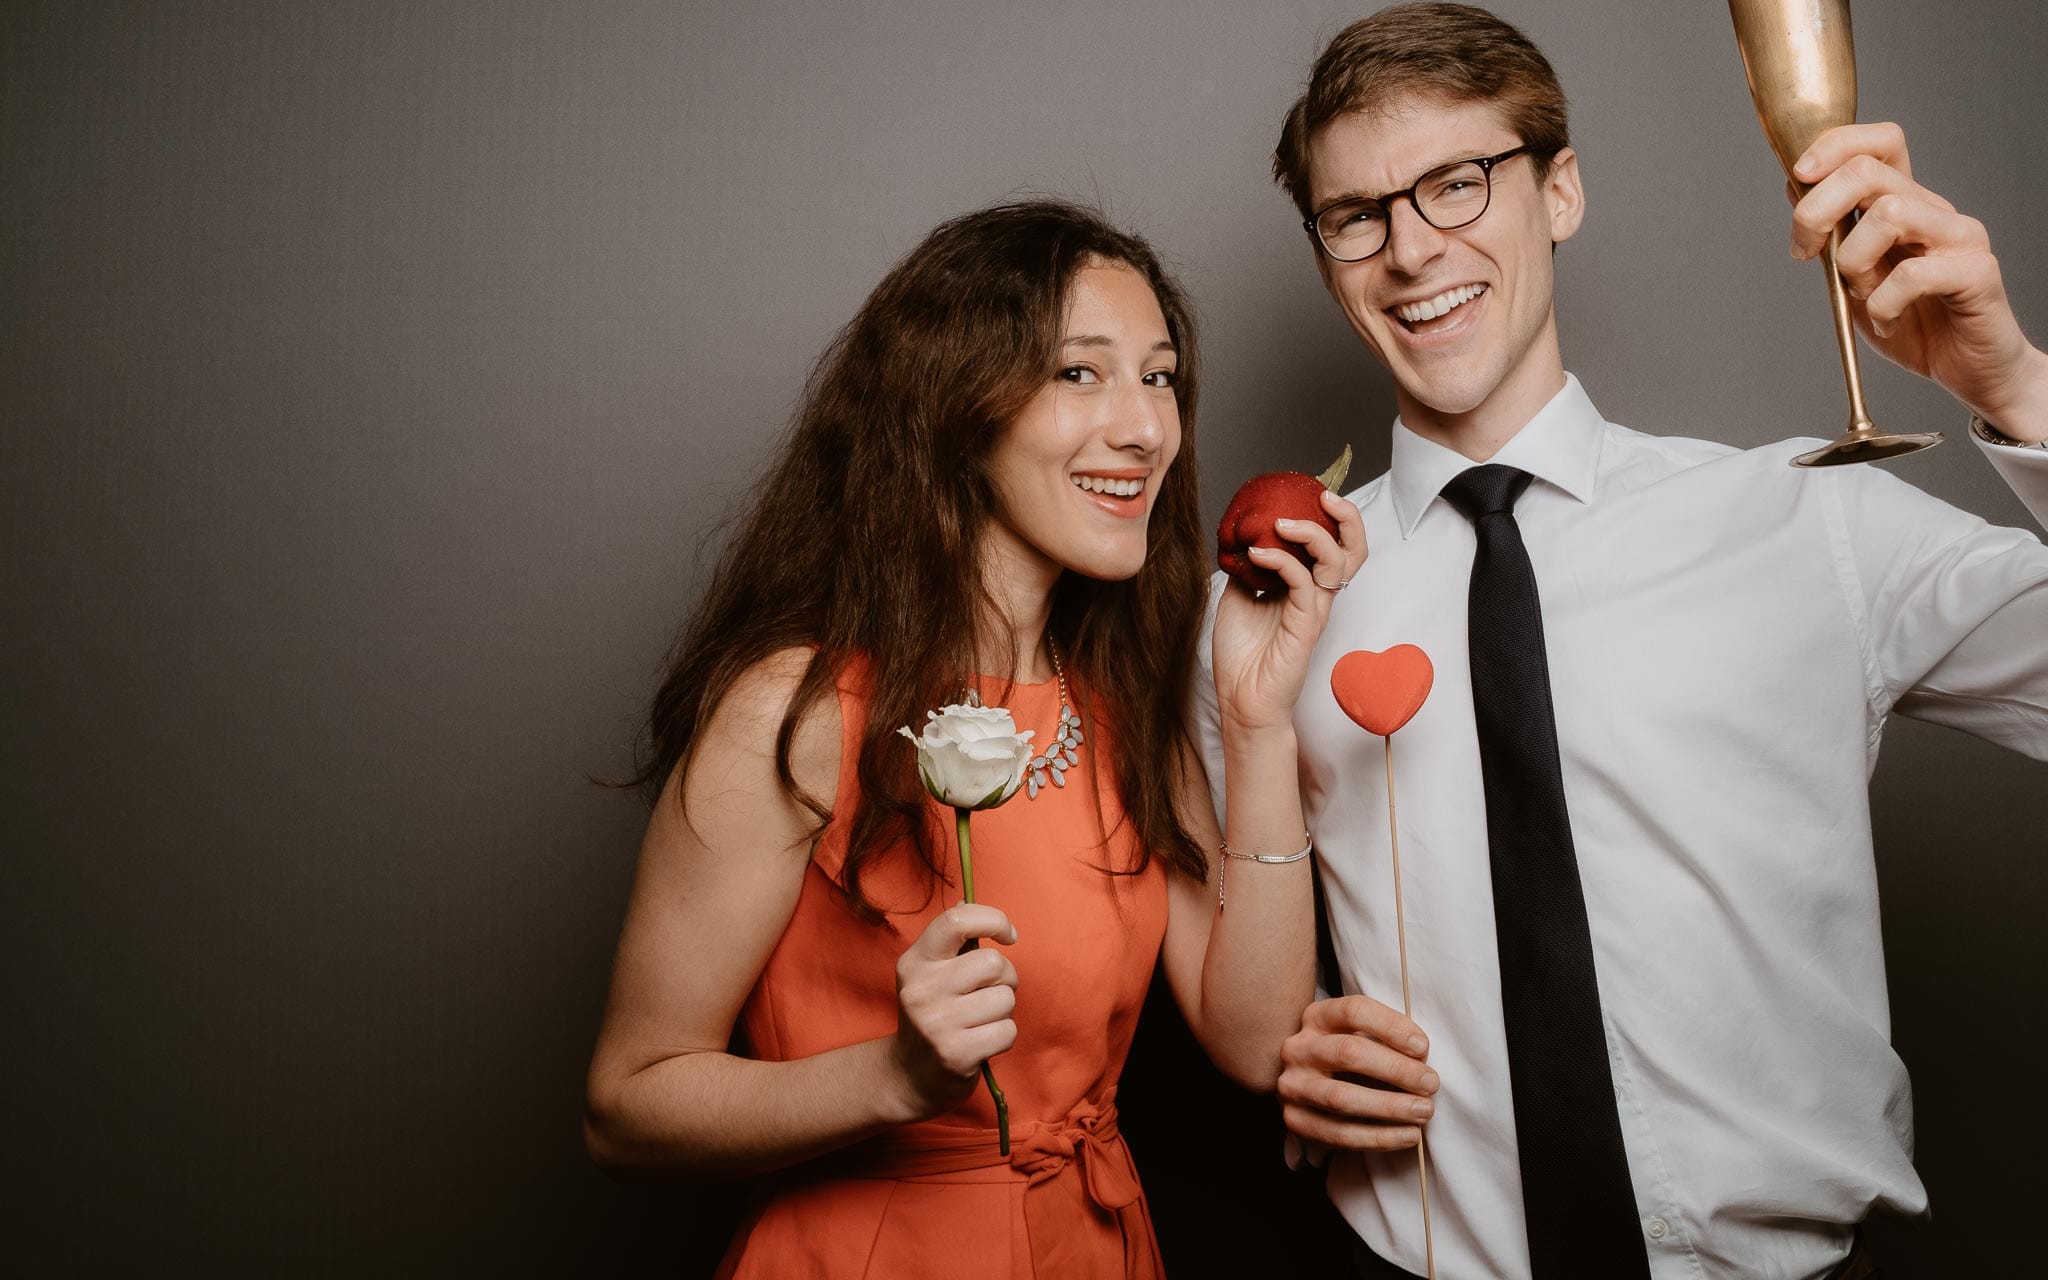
1441, 304
1115, 488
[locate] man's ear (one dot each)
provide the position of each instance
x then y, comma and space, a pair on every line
1564, 195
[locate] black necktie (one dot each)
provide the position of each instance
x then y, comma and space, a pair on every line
1581, 1208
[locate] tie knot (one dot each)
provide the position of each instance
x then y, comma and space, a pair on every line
1486, 491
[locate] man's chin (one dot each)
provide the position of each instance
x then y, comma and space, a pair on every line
1444, 398
1450, 385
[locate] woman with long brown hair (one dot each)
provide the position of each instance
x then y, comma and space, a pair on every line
990, 487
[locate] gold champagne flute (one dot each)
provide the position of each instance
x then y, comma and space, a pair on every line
1800, 58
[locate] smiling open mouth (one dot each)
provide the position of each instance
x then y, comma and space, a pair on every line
1110, 488
1120, 496
1429, 315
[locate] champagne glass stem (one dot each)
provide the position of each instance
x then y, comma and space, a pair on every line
1845, 335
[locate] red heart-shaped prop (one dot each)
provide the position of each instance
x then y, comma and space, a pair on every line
1382, 691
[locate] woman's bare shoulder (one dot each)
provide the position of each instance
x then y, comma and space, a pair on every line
749, 718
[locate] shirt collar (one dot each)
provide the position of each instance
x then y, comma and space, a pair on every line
1561, 445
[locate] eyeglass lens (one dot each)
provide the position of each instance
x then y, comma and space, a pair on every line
1446, 198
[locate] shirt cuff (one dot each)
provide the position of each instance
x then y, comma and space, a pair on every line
2024, 468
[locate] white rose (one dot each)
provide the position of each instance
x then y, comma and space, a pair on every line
971, 757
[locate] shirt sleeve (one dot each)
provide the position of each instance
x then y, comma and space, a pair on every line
1957, 608
2025, 469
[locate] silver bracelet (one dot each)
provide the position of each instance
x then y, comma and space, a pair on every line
1271, 859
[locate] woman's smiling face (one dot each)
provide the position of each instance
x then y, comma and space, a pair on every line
1077, 472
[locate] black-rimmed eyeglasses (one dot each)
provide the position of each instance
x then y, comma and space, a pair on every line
1447, 197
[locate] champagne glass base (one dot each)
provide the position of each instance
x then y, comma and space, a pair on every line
1868, 448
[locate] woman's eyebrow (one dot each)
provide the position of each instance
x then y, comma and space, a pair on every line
1101, 340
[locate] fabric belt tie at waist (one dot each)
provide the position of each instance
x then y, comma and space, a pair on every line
1076, 1165
1088, 1137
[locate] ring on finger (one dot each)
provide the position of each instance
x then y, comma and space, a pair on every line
1342, 583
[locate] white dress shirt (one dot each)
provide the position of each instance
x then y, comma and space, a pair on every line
1726, 636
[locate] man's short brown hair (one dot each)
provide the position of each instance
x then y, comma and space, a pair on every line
1453, 52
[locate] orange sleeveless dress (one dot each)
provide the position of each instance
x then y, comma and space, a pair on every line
935, 1199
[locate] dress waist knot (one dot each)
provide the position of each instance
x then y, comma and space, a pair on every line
1076, 1165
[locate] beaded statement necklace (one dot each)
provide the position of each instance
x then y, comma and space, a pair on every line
1054, 762
1051, 765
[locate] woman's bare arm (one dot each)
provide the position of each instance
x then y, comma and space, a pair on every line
1243, 975
711, 900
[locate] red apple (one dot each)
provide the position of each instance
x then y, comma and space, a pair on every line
1248, 520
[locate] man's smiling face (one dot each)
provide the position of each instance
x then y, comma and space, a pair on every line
1462, 319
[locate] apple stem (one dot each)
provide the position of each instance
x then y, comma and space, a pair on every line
1333, 478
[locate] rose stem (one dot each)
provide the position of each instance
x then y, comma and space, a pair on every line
967, 895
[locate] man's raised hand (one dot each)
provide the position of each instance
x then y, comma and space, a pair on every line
1924, 286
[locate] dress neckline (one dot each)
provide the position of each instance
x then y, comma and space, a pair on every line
983, 680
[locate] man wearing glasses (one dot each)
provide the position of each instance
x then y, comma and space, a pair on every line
1640, 894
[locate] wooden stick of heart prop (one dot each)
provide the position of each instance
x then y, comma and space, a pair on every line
1382, 692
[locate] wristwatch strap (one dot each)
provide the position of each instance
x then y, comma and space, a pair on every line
1992, 435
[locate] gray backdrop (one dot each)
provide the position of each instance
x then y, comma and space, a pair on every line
373, 376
